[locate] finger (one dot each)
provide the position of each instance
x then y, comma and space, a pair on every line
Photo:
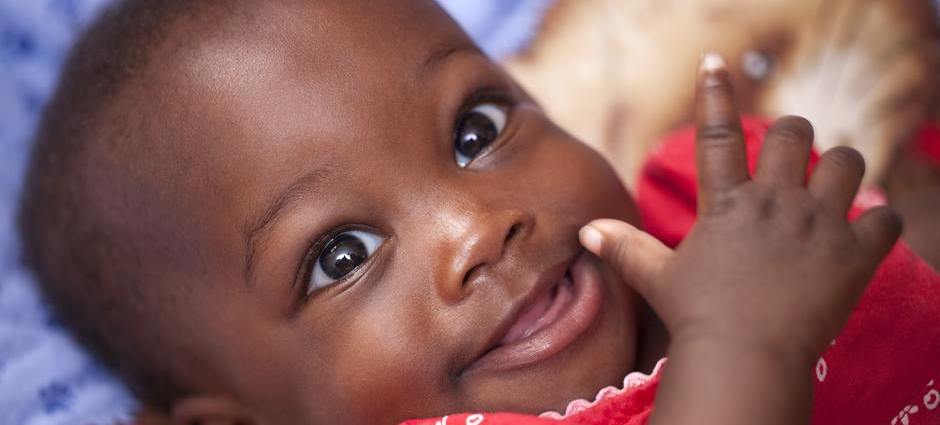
877, 230
836, 179
785, 153
719, 149
635, 255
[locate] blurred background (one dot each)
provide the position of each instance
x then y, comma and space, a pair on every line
616, 73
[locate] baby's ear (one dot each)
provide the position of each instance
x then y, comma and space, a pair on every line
210, 410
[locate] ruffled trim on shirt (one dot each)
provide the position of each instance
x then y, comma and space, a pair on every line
632, 380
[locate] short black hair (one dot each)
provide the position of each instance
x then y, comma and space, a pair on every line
86, 269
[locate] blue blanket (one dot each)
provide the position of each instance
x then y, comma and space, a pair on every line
45, 378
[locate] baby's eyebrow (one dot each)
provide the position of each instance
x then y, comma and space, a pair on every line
258, 228
442, 53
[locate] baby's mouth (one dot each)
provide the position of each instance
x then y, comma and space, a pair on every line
565, 303
543, 311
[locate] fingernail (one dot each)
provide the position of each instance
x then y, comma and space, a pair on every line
709, 68
591, 239
712, 62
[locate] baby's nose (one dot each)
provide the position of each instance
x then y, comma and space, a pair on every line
480, 239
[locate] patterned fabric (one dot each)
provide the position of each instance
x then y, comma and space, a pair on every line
45, 378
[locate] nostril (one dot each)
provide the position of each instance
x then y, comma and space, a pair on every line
512, 232
470, 273
474, 271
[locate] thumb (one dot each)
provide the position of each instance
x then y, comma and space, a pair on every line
635, 255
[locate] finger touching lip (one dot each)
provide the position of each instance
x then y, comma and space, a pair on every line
548, 322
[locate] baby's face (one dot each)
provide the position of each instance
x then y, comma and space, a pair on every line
377, 223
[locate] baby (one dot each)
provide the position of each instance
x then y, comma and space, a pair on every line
290, 212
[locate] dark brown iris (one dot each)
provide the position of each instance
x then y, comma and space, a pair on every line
475, 133
342, 255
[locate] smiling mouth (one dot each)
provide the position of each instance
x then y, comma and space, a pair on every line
548, 323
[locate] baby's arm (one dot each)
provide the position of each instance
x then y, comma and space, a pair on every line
766, 278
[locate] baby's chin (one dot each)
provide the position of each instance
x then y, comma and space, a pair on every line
575, 339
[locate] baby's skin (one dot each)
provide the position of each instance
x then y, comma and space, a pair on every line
359, 218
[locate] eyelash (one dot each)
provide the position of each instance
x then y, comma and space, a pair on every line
498, 94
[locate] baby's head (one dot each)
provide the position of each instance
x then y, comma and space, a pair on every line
326, 212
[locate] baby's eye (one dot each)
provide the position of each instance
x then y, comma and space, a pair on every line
476, 130
341, 256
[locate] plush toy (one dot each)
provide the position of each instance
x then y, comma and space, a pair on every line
619, 73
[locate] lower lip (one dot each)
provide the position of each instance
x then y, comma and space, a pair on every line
573, 321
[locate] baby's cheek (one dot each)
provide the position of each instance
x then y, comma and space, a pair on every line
616, 342
590, 187
384, 374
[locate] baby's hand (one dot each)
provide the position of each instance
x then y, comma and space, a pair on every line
769, 273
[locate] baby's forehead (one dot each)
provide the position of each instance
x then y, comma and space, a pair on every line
243, 63
325, 38
258, 66
232, 91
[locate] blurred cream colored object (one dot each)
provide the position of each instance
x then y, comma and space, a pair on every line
619, 74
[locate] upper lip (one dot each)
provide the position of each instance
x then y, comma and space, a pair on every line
545, 280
